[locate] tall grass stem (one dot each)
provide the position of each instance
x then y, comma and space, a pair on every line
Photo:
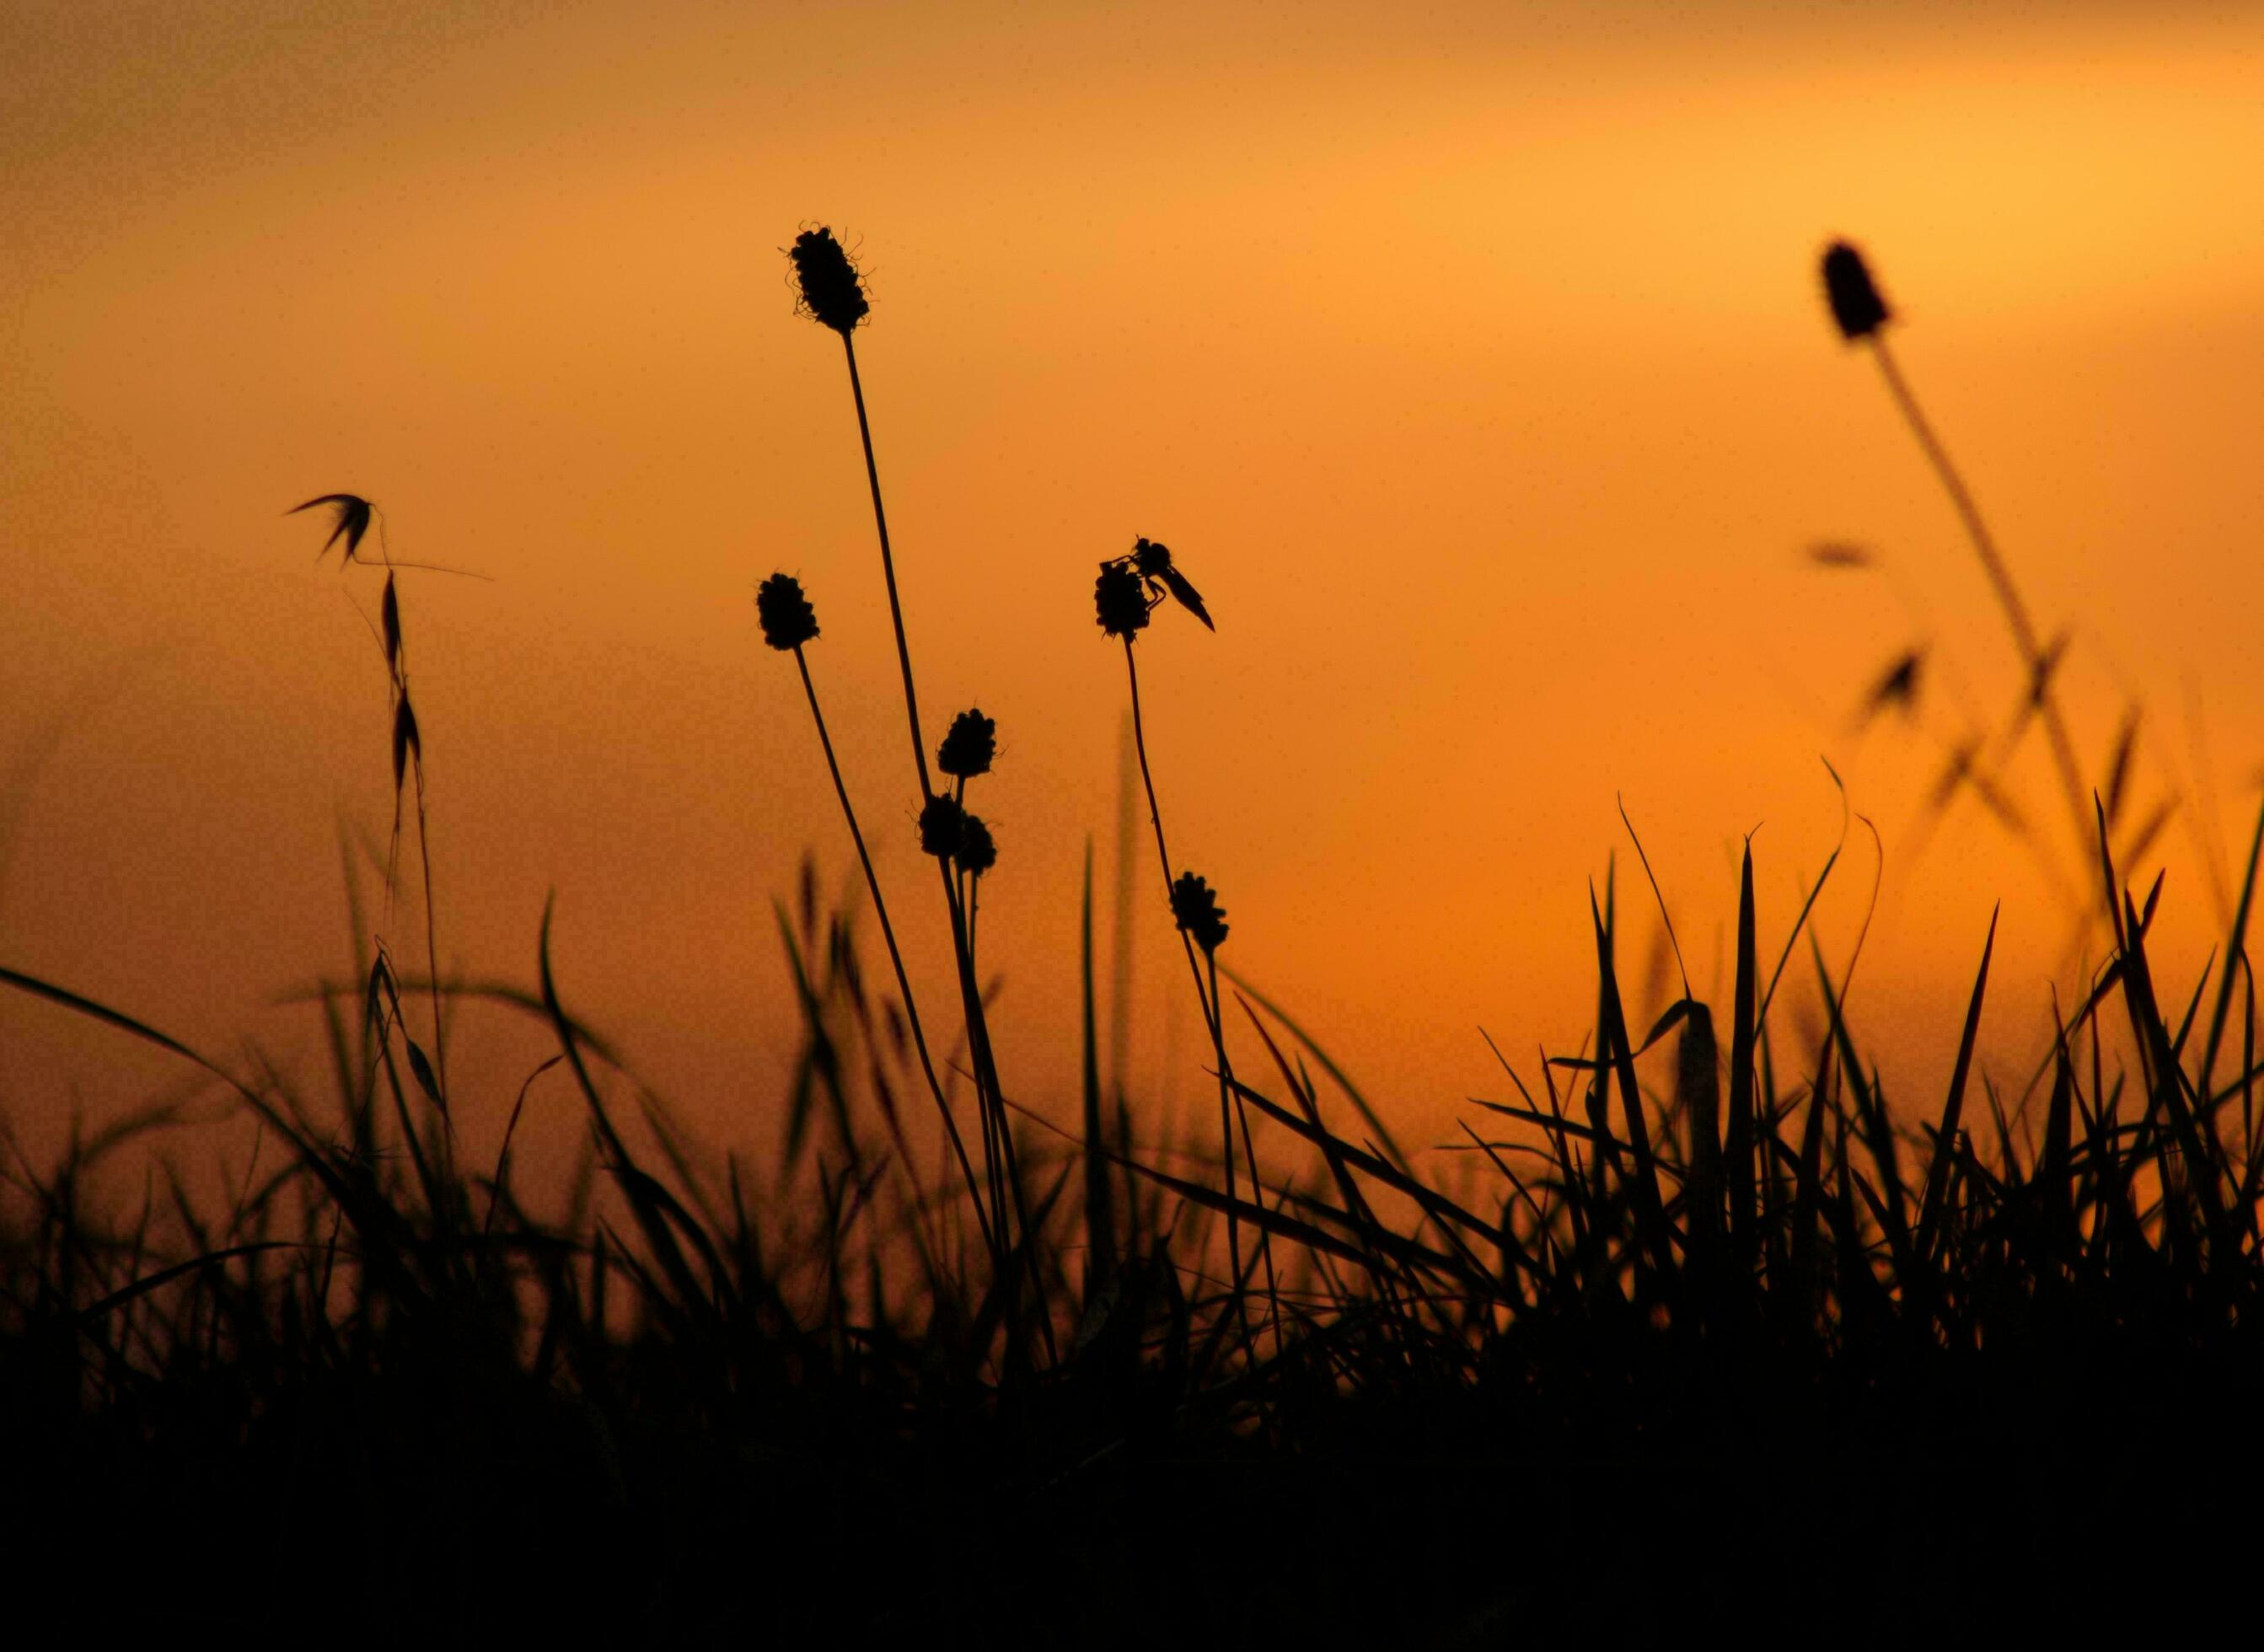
895, 954
2000, 581
888, 566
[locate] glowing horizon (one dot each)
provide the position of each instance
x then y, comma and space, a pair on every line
1477, 369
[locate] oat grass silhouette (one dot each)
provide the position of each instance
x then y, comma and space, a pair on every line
352, 517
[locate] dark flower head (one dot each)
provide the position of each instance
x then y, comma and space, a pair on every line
941, 824
830, 290
977, 853
1855, 302
789, 620
1195, 908
1120, 600
968, 749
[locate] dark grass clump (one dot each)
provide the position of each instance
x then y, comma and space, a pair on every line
1716, 1298
1693, 1336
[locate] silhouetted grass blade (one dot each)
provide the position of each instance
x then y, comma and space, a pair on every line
1099, 1224
1945, 1135
1743, 1136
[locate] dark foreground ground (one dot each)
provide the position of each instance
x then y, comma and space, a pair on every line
1618, 1491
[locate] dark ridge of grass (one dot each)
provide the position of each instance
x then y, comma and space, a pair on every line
1709, 1342
1597, 1403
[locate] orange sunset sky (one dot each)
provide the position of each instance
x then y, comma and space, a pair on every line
1470, 357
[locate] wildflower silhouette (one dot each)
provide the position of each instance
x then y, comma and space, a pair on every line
968, 746
832, 293
1130, 588
788, 622
976, 854
1196, 911
1119, 600
941, 823
1855, 298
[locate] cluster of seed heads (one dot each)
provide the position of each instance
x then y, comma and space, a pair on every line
947, 827
949, 832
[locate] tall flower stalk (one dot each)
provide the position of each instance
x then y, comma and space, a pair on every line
1861, 316
833, 294
790, 623
1123, 602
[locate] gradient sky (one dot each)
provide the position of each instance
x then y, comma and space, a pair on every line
1470, 356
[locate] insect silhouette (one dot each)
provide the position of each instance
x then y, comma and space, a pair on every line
1152, 563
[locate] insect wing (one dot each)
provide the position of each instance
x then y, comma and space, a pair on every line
1190, 598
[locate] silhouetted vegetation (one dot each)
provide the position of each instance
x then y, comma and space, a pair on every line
1720, 1340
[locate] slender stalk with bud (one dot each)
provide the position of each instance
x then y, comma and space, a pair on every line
788, 623
1861, 316
1123, 608
832, 293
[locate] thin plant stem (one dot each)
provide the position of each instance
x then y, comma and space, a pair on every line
979, 1037
896, 956
398, 665
888, 568
2000, 581
1005, 1168
1155, 819
1249, 1157
1205, 999
432, 940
